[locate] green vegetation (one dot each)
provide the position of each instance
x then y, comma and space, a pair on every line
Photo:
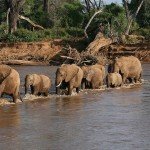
67, 19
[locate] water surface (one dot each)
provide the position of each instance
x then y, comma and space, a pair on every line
93, 120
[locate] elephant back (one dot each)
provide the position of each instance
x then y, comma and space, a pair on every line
45, 82
5, 71
128, 64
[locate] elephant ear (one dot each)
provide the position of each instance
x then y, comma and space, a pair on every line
4, 72
71, 72
90, 74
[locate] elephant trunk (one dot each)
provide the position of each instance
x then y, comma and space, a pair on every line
58, 84
26, 88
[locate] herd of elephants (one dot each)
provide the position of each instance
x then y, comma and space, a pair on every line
123, 70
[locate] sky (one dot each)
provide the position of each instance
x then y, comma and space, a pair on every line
114, 1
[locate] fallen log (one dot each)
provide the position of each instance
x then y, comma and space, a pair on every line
23, 62
99, 42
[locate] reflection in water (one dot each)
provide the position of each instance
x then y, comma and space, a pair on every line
9, 116
63, 104
115, 119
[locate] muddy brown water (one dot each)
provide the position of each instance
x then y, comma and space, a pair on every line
114, 119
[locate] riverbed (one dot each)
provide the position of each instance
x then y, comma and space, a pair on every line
113, 119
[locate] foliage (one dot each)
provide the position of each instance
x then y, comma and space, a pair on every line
144, 32
3, 29
24, 35
73, 14
67, 19
143, 17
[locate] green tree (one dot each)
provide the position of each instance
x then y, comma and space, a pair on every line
72, 14
143, 17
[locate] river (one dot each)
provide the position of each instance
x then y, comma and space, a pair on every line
114, 119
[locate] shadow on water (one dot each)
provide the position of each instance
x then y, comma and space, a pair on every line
114, 119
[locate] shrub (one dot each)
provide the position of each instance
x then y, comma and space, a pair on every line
75, 32
26, 35
144, 32
3, 29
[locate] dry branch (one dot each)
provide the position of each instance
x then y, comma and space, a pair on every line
31, 22
67, 57
96, 13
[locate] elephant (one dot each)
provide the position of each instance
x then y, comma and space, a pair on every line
68, 76
9, 82
113, 79
95, 77
129, 67
86, 69
39, 84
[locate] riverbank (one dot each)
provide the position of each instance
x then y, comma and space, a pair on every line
49, 52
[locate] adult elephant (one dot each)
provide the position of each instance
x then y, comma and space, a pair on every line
86, 69
129, 67
69, 76
39, 84
9, 82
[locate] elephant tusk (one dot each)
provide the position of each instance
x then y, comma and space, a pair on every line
59, 84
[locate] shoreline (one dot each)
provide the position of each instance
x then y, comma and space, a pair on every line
33, 63
50, 52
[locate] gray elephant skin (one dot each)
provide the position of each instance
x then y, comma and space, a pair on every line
86, 69
68, 77
95, 78
39, 84
9, 82
113, 80
129, 67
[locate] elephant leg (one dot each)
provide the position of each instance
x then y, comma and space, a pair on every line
58, 90
70, 88
1, 90
77, 89
46, 93
19, 96
124, 79
138, 78
15, 98
32, 89
92, 86
108, 85
39, 93
16, 95
36, 91
83, 86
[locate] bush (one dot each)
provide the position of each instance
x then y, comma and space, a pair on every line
24, 35
144, 32
75, 32
3, 29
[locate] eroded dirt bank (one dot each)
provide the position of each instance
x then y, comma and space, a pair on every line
49, 52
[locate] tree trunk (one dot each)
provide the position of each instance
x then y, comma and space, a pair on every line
130, 17
14, 6
46, 6
13, 17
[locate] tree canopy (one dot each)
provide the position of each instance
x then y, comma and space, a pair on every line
68, 18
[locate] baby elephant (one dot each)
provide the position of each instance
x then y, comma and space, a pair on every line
114, 79
39, 84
